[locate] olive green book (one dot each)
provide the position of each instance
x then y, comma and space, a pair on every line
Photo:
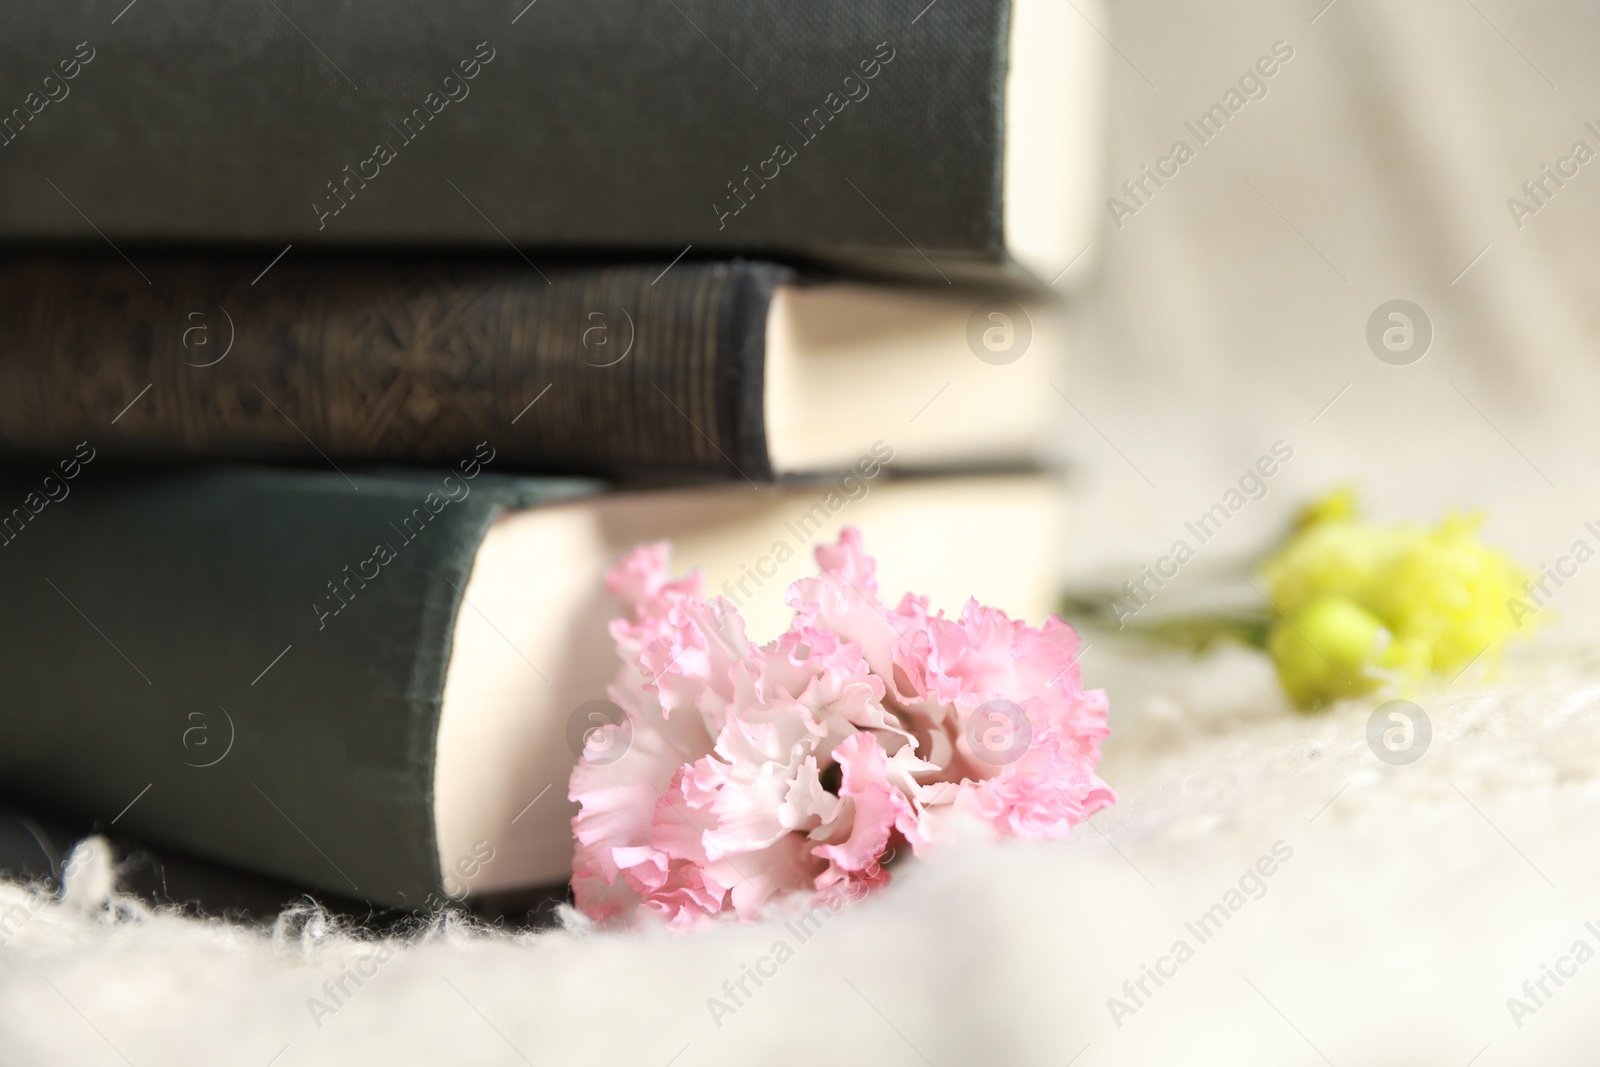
246, 663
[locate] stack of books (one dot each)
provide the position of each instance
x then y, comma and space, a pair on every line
343, 347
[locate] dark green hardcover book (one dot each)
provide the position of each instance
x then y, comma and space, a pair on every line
696, 370
886, 134
247, 664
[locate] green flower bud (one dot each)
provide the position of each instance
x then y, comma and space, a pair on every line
1328, 651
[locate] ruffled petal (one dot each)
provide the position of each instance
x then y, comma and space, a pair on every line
800, 766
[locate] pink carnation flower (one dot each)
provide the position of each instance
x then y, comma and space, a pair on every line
748, 773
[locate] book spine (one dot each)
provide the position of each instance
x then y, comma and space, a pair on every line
632, 371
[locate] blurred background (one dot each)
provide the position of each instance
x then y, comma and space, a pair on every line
1230, 310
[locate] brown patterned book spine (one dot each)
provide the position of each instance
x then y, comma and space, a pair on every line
630, 371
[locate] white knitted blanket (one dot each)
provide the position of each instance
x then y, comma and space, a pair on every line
1266, 891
